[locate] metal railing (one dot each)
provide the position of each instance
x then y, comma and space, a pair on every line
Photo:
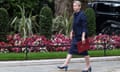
28, 46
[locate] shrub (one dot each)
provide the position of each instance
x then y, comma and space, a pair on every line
22, 25
91, 19
4, 20
62, 24
46, 21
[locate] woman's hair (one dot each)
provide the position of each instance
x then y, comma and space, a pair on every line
77, 2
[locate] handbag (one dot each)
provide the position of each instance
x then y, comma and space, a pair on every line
83, 46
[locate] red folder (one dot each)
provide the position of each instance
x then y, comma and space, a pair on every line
83, 46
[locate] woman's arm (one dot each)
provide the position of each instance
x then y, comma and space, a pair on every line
84, 26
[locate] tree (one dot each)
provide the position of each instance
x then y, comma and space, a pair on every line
46, 21
4, 23
63, 5
11, 6
91, 20
66, 5
84, 4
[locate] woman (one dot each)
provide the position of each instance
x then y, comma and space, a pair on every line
78, 33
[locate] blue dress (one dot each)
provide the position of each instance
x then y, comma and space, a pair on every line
79, 26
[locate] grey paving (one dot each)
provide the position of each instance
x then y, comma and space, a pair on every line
101, 64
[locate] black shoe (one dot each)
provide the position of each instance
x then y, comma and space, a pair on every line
64, 67
89, 70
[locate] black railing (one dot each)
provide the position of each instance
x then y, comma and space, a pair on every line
28, 46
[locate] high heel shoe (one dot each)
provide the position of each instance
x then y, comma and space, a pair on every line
89, 70
63, 67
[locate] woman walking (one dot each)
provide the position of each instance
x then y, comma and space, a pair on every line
78, 33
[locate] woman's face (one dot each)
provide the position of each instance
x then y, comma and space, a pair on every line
76, 7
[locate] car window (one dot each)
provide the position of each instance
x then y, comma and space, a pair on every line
104, 7
108, 7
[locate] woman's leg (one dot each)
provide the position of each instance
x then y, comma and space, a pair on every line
87, 61
68, 58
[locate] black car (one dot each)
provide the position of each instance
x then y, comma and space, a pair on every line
107, 15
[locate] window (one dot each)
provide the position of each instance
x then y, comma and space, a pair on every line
104, 7
108, 7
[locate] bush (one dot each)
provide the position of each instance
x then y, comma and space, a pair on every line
91, 19
62, 24
4, 26
58, 24
22, 25
46, 21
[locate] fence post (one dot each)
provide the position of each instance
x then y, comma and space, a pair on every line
26, 52
105, 47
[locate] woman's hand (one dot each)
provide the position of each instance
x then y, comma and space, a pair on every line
83, 37
71, 34
83, 40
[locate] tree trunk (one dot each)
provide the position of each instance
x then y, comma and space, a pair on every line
62, 6
84, 4
66, 5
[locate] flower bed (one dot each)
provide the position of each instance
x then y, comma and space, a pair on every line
111, 42
40, 42
58, 42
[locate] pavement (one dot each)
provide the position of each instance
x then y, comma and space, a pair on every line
99, 64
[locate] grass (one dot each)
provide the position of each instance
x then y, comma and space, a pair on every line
53, 55
99, 53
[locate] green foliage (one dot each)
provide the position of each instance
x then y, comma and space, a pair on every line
35, 24
30, 5
46, 21
22, 25
91, 19
62, 24
68, 24
4, 23
58, 24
